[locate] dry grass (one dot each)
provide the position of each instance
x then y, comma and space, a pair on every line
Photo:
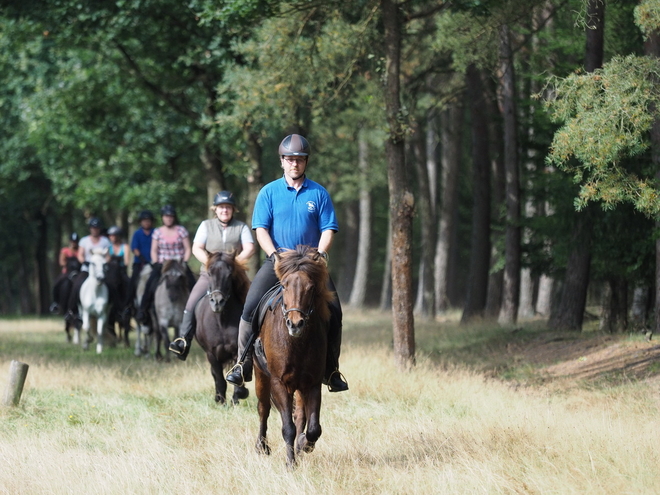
114, 424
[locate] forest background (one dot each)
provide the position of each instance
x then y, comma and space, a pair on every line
497, 156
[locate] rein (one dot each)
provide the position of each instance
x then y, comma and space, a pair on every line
305, 314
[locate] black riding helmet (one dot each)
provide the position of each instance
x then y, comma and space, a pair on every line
294, 145
114, 230
95, 222
224, 198
145, 215
168, 210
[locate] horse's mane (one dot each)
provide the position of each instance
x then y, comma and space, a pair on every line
167, 265
307, 260
239, 275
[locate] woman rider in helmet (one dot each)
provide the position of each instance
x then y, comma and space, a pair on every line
222, 233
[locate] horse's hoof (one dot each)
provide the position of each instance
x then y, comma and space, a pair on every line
262, 447
241, 392
220, 400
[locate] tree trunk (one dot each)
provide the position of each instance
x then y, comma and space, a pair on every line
544, 296
614, 313
401, 198
475, 301
496, 150
359, 290
570, 313
511, 287
452, 135
214, 174
386, 286
652, 49
425, 297
350, 228
255, 183
639, 308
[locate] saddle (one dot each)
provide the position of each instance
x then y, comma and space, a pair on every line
267, 303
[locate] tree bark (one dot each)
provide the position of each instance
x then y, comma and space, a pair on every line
350, 228
475, 301
359, 290
614, 313
386, 286
401, 198
451, 135
255, 183
511, 286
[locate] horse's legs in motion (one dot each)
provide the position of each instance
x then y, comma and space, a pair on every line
262, 389
308, 408
86, 329
218, 377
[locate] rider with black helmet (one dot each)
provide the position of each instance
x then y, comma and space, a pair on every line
222, 233
92, 241
68, 261
288, 212
170, 241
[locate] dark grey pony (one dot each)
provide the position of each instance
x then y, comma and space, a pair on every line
218, 315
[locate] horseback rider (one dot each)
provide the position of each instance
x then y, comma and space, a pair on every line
92, 241
222, 233
290, 211
141, 248
118, 248
68, 261
170, 241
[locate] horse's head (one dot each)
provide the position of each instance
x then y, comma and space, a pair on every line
97, 264
174, 276
303, 276
220, 267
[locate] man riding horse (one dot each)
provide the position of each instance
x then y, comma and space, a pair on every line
288, 212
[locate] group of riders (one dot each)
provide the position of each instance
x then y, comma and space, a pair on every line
289, 211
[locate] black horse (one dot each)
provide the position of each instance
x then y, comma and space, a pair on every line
117, 281
218, 315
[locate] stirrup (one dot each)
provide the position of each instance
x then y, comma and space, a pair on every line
341, 378
176, 350
237, 370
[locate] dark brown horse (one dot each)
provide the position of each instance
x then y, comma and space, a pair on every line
218, 315
293, 343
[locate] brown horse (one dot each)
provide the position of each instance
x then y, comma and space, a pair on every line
293, 343
217, 320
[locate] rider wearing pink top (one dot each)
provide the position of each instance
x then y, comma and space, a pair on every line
171, 241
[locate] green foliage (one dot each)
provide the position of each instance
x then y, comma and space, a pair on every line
607, 115
647, 16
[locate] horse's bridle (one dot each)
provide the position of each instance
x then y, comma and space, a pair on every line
305, 314
217, 291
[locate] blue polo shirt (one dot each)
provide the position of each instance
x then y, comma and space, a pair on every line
142, 242
294, 217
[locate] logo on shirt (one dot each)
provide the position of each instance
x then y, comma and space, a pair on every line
311, 206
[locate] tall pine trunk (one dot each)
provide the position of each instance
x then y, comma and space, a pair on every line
401, 198
451, 135
511, 286
475, 301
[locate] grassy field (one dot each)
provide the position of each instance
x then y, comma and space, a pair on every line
482, 412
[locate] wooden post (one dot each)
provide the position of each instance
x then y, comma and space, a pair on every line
17, 373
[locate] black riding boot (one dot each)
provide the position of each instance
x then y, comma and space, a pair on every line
333, 378
181, 345
242, 371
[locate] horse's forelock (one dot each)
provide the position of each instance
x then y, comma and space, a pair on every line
302, 259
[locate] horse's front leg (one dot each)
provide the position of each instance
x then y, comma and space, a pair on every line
100, 330
308, 407
85, 329
284, 403
262, 389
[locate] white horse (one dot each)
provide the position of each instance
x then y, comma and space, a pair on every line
94, 300
144, 332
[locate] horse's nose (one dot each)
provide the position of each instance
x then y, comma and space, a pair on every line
295, 329
217, 304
